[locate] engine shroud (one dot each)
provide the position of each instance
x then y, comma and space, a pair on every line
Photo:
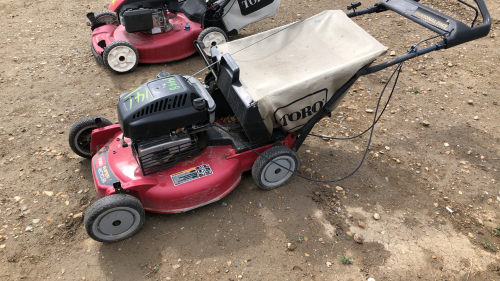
161, 106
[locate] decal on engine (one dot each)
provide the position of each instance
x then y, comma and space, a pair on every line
171, 83
191, 174
137, 96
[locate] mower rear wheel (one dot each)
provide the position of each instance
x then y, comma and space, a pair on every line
120, 56
106, 18
274, 167
81, 131
212, 36
114, 218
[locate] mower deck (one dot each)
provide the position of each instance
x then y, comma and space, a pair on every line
169, 46
191, 183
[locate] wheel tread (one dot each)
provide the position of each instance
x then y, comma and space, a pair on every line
109, 202
78, 126
262, 161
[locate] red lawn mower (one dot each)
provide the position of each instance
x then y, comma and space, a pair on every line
153, 31
174, 149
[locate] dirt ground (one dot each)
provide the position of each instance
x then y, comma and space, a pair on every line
435, 150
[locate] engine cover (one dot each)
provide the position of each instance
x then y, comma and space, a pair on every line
138, 20
161, 106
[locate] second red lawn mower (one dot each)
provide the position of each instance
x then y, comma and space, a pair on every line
153, 31
173, 149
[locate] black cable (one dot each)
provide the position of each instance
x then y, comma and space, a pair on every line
398, 68
325, 181
202, 17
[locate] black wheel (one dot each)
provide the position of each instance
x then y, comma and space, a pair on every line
114, 218
212, 36
106, 18
80, 132
266, 172
120, 56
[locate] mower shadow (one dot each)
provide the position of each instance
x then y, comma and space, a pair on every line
210, 231
241, 230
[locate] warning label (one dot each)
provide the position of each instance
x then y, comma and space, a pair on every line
191, 174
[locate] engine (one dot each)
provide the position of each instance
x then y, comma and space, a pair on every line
148, 19
166, 120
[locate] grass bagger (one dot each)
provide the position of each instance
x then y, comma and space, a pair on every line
175, 149
153, 31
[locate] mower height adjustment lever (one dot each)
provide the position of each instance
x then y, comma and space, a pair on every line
118, 188
353, 6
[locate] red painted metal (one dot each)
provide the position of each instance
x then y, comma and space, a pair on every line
157, 191
153, 48
101, 136
115, 4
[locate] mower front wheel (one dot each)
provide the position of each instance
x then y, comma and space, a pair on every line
120, 56
274, 167
81, 131
212, 36
114, 218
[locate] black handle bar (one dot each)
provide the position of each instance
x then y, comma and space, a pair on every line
453, 31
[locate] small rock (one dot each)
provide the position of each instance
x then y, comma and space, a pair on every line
376, 216
24, 208
240, 276
369, 111
446, 144
17, 198
48, 193
393, 53
426, 123
259, 205
450, 64
361, 224
175, 266
349, 119
358, 238
371, 279
339, 188
470, 102
328, 264
349, 233
223, 204
471, 235
29, 229
291, 246
78, 217
35, 221
434, 256
62, 225
480, 221
476, 117
446, 198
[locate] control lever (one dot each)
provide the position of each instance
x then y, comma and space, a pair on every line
353, 6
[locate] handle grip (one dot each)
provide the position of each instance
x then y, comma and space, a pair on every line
454, 31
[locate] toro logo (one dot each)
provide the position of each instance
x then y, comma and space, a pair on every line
101, 161
249, 6
297, 113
